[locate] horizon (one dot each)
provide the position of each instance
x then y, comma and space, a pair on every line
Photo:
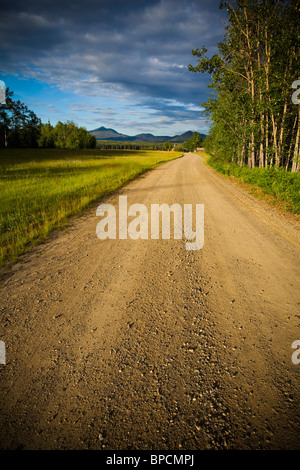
125, 66
140, 133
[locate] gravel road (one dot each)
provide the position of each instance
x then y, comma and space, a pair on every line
142, 344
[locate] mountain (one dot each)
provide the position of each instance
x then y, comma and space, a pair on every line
108, 134
102, 133
151, 138
184, 137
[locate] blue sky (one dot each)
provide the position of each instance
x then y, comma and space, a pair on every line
119, 64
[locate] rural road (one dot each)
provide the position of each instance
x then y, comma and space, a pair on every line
141, 344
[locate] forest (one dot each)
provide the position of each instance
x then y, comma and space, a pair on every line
21, 128
253, 105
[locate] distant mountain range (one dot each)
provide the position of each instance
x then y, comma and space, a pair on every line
102, 133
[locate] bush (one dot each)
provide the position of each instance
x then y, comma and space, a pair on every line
65, 136
283, 185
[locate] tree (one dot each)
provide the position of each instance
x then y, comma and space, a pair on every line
19, 127
47, 136
65, 135
194, 141
254, 120
167, 146
178, 148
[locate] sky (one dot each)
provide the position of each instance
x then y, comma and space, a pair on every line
120, 64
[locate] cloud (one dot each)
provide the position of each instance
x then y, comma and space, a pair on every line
135, 50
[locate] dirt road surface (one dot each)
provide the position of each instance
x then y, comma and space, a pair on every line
141, 344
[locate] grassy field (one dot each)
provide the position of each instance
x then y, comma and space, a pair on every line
282, 185
130, 144
41, 188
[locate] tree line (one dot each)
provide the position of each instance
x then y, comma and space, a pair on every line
189, 145
255, 122
65, 136
20, 127
128, 145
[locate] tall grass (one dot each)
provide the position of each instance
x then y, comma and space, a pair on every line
283, 185
41, 189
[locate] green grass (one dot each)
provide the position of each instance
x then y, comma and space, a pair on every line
41, 188
130, 144
283, 185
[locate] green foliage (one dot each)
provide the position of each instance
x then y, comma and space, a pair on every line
194, 141
65, 136
19, 127
167, 146
285, 186
254, 120
128, 145
41, 188
179, 148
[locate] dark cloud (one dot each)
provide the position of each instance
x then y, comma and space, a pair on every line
141, 48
